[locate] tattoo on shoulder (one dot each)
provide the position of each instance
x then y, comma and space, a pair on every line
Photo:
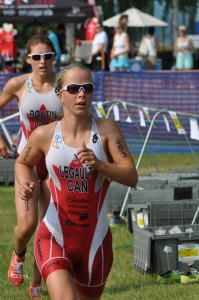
121, 148
1, 92
25, 156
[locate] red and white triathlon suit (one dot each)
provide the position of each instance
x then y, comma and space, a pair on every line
35, 110
74, 234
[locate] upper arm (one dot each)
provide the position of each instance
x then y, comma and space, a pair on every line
9, 91
116, 145
157, 43
34, 149
191, 43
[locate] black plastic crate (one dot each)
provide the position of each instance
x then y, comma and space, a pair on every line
160, 253
7, 171
161, 214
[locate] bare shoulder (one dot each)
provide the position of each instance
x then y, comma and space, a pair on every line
15, 84
44, 132
107, 126
17, 80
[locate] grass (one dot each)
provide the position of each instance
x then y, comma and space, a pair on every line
165, 162
124, 283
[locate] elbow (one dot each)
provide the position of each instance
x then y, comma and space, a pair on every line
133, 179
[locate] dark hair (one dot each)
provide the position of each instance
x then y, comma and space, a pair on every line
123, 17
61, 26
100, 23
39, 39
151, 30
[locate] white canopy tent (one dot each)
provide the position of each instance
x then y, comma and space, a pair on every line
136, 18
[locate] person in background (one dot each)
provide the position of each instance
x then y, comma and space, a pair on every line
38, 105
55, 40
184, 50
3, 67
73, 244
99, 48
61, 34
120, 49
124, 20
152, 45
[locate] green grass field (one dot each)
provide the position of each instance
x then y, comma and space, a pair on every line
124, 283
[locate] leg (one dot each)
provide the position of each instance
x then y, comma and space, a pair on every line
27, 219
43, 205
26, 224
60, 285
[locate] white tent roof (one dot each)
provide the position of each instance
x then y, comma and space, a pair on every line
136, 18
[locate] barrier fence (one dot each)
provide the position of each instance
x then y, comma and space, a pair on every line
137, 96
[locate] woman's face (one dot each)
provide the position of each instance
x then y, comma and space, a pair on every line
78, 102
45, 62
182, 32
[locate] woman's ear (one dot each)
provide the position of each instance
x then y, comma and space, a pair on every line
27, 59
59, 95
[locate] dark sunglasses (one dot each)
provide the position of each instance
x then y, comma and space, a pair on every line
75, 88
45, 56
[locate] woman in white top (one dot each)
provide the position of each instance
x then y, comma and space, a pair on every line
152, 45
119, 52
183, 49
99, 48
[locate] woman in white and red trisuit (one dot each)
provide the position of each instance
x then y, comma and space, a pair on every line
73, 244
38, 105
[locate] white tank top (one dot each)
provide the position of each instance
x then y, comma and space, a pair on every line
119, 43
184, 44
36, 109
151, 46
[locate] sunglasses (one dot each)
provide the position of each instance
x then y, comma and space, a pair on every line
46, 56
75, 88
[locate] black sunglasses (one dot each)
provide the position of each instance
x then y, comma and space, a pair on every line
75, 88
46, 56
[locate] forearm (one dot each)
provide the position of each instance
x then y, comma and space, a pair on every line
23, 173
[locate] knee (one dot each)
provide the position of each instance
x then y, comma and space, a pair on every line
27, 228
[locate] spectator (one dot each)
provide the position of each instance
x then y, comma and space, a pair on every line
99, 48
151, 44
61, 34
120, 49
124, 20
183, 48
3, 67
54, 38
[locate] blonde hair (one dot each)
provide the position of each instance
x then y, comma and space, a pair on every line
62, 73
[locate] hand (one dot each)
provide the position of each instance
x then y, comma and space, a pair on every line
26, 190
87, 156
4, 150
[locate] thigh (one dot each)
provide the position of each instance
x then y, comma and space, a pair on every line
44, 198
92, 272
49, 255
179, 62
188, 63
60, 285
